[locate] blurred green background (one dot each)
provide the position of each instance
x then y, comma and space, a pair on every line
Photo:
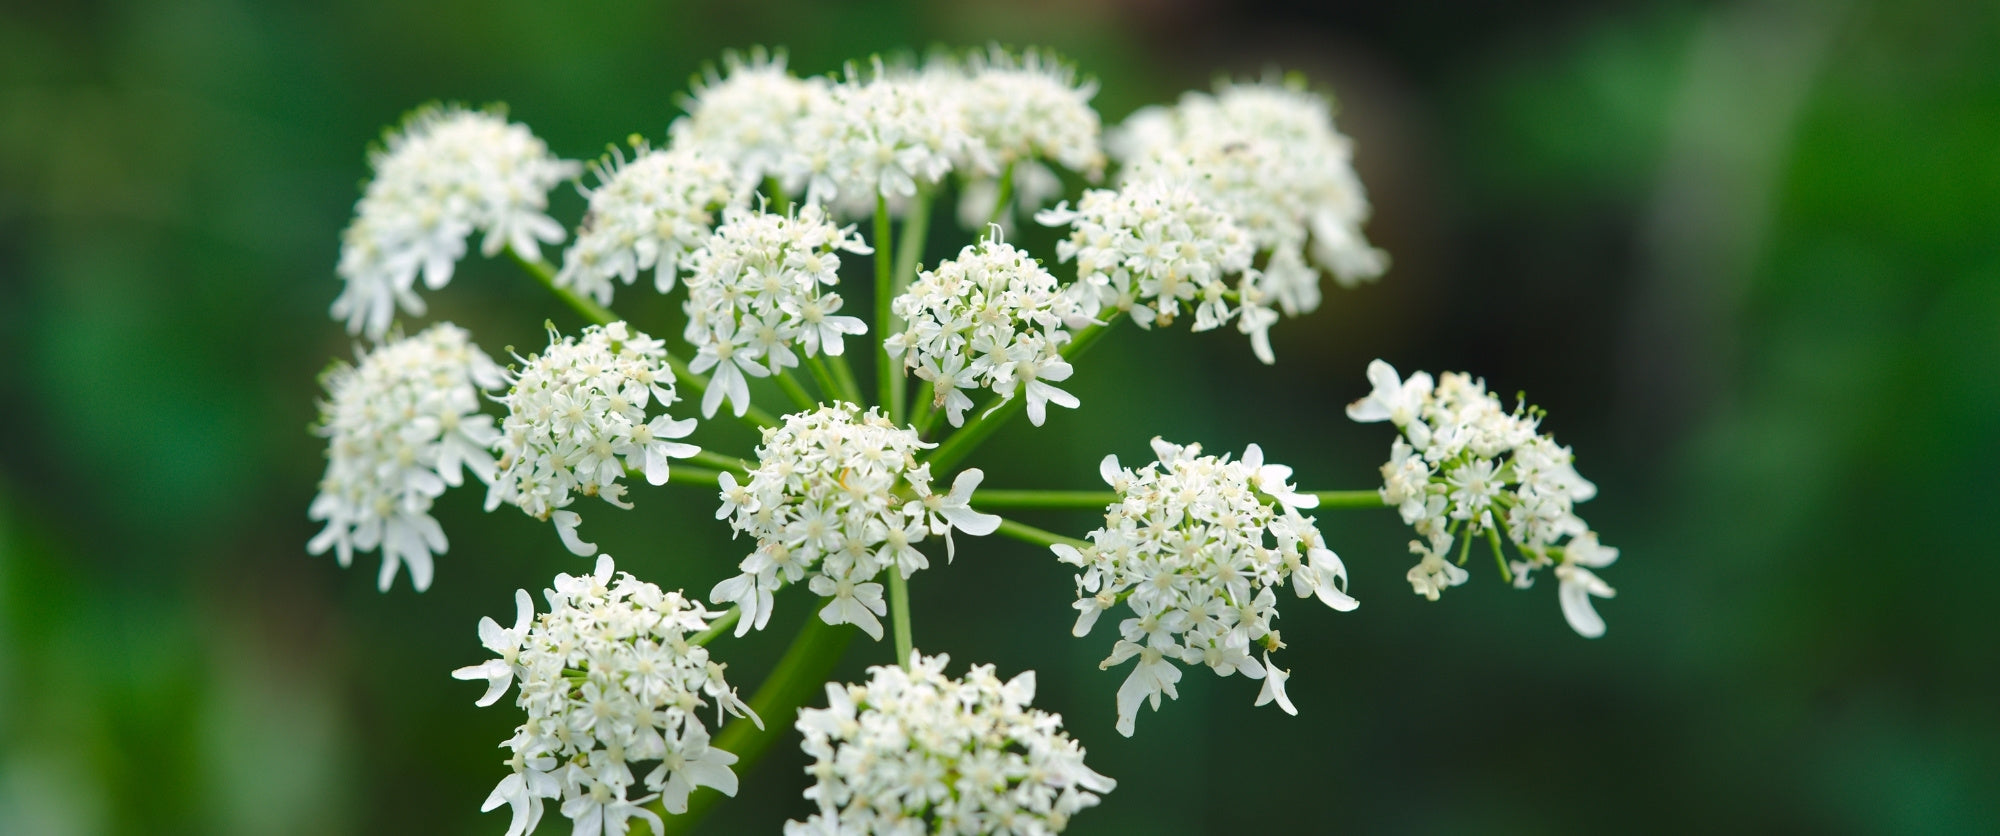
1746, 254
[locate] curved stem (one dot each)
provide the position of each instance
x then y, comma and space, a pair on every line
1030, 534
899, 615
885, 375
1045, 499
683, 376
976, 431
799, 674
717, 627
721, 462
690, 475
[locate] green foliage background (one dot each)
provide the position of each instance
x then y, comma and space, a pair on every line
1746, 254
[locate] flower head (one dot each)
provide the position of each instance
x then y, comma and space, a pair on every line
579, 415
1025, 111
1269, 155
760, 287
401, 426
836, 498
919, 752
1196, 548
610, 683
646, 214
991, 318
882, 133
749, 116
448, 173
1466, 467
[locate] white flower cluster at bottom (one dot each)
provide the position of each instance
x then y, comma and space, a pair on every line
609, 681
918, 752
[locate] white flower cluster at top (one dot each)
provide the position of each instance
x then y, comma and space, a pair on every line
918, 752
1197, 547
756, 289
647, 214
1156, 248
448, 173
1269, 155
991, 318
750, 116
837, 497
1464, 468
401, 426
610, 682
577, 420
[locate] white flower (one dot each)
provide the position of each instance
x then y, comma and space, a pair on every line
760, 286
1196, 547
447, 173
882, 133
581, 414
647, 214
609, 682
1024, 110
401, 426
990, 318
918, 752
1157, 249
1274, 687
749, 117
838, 497
1269, 155
1466, 467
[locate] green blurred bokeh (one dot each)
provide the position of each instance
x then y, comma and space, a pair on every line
1746, 254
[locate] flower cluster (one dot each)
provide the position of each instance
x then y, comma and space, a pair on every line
1269, 155
1025, 109
577, 419
882, 133
1196, 547
1465, 467
647, 214
918, 752
610, 680
448, 173
992, 318
756, 289
750, 116
837, 497
400, 427
1156, 248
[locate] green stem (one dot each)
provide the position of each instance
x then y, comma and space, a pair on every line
1031, 534
717, 627
927, 411
1493, 537
843, 377
1045, 499
1006, 194
1349, 499
781, 203
909, 255
885, 374
683, 376
691, 475
800, 674
899, 615
721, 462
975, 432
792, 389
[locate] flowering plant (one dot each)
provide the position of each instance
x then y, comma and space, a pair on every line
1225, 208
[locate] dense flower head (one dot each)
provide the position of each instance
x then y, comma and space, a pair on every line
401, 425
646, 214
611, 681
1269, 155
749, 116
1025, 111
1158, 248
915, 751
883, 133
579, 415
1197, 547
991, 318
1465, 467
837, 497
448, 173
759, 287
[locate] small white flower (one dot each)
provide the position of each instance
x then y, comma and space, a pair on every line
447, 173
578, 419
881, 133
401, 426
609, 682
836, 499
1274, 687
1195, 547
918, 752
646, 214
1579, 584
750, 116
